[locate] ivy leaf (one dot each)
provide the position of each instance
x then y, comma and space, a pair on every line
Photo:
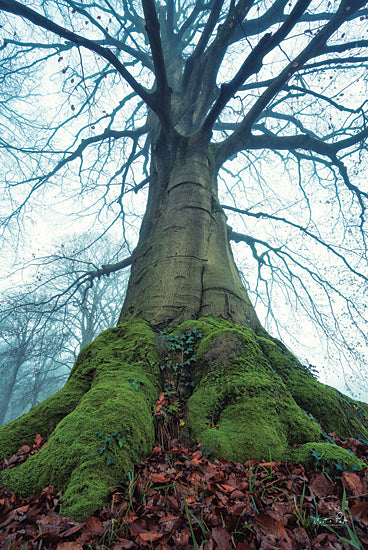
339, 466
316, 455
110, 460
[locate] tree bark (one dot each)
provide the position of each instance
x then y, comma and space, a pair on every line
183, 267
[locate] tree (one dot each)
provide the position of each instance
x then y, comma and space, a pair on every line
21, 345
40, 341
185, 87
30, 358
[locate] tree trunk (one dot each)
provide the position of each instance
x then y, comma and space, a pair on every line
183, 267
250, 396
9, 378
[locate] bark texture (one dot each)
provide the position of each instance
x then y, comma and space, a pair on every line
183, 267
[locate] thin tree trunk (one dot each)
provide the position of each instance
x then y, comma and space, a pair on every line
8, 385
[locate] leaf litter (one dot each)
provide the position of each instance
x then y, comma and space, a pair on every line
178, 498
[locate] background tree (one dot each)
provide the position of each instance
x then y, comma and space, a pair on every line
25, 350
167, 96
39, 340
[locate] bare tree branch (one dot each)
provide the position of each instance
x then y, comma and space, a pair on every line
316, 46
163, 91
238, 237
12, 6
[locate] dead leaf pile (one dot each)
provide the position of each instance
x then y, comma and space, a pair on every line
180, 499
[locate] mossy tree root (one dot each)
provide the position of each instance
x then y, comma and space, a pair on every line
249, 401
253, 398
112, 389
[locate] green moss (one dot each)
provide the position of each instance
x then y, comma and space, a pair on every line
251, 393
240, 408
333, 410
41, 419
330, 456
247, 403
110, 370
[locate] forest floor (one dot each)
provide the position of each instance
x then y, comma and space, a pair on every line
179, 498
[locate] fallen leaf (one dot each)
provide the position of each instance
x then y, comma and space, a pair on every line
274, 531
150, 537
352, 483
169, 523
320, 486
225, 488
359, 512
222, 538
38, 439
123, 545
244, 545
69, 546
158, 478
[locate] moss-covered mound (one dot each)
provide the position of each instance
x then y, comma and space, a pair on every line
333, 410
326, 456
252, 399
111, 390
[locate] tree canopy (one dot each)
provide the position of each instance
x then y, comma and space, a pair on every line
278, 87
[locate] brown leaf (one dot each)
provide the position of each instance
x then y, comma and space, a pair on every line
38, 439
274, 531
173, 502
301, 538
320, 486
158, 478
237, 495
169, 523
359, 511
283, 509
326, 541
24, 450
92, 528
222, 538
225, 488
352, 483
72, 530
197, 457
138, 526
238, 509
123, 545
69, 546
50, 525
181, 538
244, 545
278, 516
149, 536
222, 498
